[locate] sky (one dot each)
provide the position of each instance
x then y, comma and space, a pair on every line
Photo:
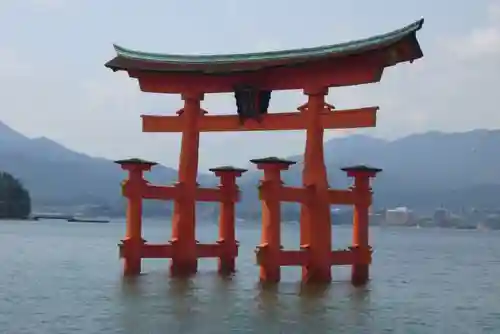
53, 82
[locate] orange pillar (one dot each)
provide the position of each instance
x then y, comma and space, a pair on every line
268, 252
315, 219
363, 199
227, 236
184, 259
131, 247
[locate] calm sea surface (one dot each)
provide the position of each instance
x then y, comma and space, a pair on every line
58, 277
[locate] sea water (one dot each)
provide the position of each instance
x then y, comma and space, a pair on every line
58, 277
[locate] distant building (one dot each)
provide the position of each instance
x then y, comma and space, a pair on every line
376, 219
425, 222
399, 216
442, 217
491, 222
341, 216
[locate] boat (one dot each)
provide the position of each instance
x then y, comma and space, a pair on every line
87, 220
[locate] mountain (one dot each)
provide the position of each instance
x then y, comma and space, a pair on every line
431, 160
422, 170
57, 176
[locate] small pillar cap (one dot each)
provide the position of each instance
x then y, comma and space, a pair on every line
361, 168
135, 161
228, 169
273, 160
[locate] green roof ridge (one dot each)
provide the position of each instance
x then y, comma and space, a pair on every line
346, 47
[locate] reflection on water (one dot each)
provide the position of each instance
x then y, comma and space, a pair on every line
210, 304
131, 286
424, 281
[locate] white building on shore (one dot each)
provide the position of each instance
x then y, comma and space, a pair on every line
398, 216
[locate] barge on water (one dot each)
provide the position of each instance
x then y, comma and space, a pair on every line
87, 220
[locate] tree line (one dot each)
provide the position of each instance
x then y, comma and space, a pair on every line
15, 200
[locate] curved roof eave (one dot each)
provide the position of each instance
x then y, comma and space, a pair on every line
347, 48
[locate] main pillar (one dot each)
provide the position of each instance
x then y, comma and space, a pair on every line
184, 260
315, 219
363, 199
131, 246
268, 252
227, 236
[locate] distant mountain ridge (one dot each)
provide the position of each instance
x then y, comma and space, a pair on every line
422, 169
56, 175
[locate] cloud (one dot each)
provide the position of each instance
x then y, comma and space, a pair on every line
13, 65
482, 41
50, 3
454, 89
98, 114
45, 4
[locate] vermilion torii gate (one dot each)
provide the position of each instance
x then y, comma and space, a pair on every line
252, 78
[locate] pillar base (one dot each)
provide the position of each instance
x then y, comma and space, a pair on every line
228, 251
360, 274
226, 266
132, 267
322, 275
267, 259
183, 268
270, 275
130, 250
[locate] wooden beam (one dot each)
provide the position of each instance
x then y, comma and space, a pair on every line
342, 257
352, 70
160, 192
341, 197
173, 192
294, 258
338, 119
208, 195
208, 250
293, 194
158, 251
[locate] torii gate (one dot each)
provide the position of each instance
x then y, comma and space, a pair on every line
252, 77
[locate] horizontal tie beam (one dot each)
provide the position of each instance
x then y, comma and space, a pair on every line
337, 119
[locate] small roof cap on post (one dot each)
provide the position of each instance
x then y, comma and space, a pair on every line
272, 160
361, 169
136, 162
228, 169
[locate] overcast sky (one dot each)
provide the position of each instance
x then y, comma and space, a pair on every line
53, 82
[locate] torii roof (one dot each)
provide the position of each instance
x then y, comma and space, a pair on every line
402, 40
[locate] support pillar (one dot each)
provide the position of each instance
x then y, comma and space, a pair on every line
131, 246
361, 248
268, 252
315, 217
227, 217
184, 260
